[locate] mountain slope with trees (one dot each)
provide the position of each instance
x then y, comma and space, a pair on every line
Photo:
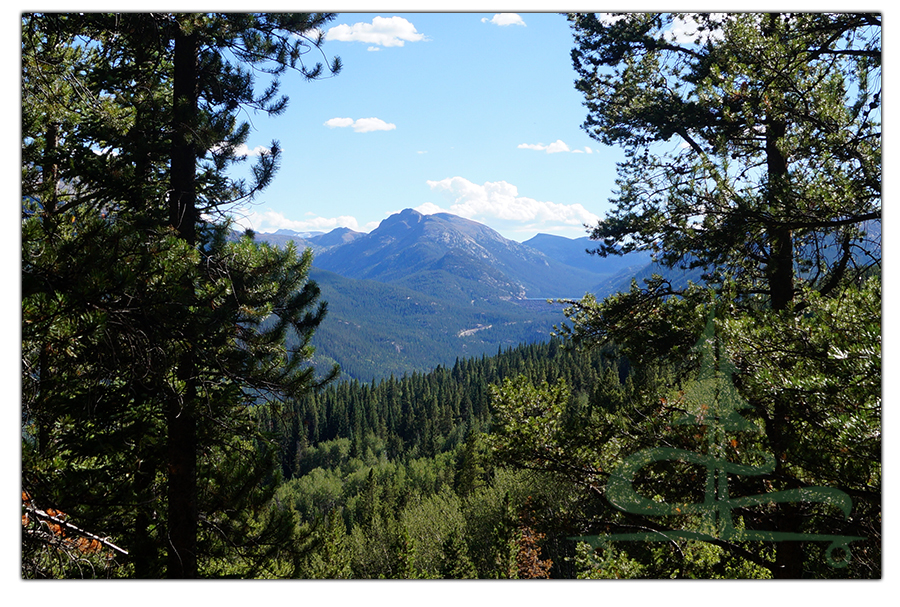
399, 330
408, 247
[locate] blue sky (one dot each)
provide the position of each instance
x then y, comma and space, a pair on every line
472, 114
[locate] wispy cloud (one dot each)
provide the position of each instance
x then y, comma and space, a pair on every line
504, 19
554, 148
498, 203
362, 125
383, 31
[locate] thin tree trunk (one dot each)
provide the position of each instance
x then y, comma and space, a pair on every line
182, 209
781, 258
180, 418
788, 555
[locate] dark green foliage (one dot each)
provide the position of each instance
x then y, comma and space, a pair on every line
827, 360
407, 464
774, 197
423, 413
780, 170
150, 342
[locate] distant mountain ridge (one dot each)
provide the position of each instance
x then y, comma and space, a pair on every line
422, 290
414, 249
317, 241
577, 252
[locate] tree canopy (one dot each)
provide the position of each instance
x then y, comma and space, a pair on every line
753, 142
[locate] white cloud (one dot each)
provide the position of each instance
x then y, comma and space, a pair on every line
500, 201
554, 148
504, 19
271, 221
339, 122
243, 150
363, 125
383, 31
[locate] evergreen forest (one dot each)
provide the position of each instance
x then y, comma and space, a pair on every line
174, 426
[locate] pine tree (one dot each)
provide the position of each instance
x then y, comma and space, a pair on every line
774, 194
158, 336
456, 564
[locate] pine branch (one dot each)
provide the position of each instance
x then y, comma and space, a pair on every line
57, 524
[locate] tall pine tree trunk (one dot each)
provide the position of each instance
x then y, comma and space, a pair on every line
788, 555
182, 207
781, 256
180, 417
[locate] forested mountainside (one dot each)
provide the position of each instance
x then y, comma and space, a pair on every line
431, 412
482, 470
375, 329
395, 478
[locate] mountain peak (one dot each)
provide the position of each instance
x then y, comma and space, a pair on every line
408, 217
336, 237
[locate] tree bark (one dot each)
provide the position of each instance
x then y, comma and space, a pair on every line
781, 256
180, 417
182, 198
788, 555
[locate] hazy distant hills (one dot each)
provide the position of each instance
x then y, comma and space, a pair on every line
422, 290
317, 241
574, 252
